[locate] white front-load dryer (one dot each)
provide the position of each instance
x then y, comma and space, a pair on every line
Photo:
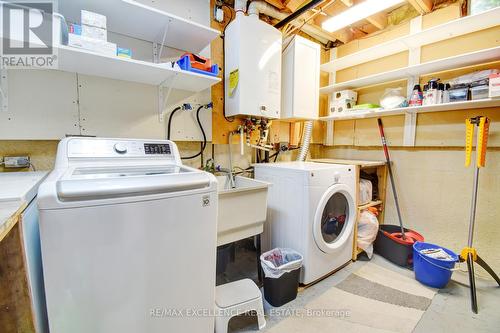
311, 209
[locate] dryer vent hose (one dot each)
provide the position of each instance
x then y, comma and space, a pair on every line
308, 129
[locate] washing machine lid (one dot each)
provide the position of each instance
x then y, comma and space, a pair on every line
334, 219
89, 183
127, 171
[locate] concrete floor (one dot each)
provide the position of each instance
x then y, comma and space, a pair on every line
449, 310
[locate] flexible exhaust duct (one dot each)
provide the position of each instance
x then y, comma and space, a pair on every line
306, 142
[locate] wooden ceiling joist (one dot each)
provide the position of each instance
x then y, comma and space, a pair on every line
379, 20
277, 3
422, 6
293, 5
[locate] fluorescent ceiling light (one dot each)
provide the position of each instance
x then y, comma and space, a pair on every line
357, 13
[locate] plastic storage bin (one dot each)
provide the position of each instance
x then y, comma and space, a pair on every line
186, 62
479, 92
459, 93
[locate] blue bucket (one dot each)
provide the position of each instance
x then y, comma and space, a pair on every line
432, 272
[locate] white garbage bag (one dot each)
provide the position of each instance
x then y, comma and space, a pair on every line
278, 261
367, 231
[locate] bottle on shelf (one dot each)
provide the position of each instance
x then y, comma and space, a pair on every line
446, 93
440, 93
417, 96
432, 93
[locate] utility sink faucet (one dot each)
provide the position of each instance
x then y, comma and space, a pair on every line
230, 175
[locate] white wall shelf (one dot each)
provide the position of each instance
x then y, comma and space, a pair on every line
89, 63
451, 29
462, 60
375, 113
133, 19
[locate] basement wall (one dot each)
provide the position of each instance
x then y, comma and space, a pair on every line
434, 187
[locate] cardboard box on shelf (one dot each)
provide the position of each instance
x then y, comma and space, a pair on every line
345, 95
94, 32
93, 19
494, 85
124, 52
75, 29
341, 105
95, 45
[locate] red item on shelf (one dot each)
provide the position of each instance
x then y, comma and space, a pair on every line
199, 62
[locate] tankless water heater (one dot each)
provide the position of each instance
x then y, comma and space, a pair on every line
252, 70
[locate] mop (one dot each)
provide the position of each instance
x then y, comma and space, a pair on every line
469, 254
404, 237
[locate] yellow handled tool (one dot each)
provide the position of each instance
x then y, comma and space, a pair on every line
469, 253
483, 124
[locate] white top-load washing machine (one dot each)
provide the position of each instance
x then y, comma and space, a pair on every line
128, 239
311, 209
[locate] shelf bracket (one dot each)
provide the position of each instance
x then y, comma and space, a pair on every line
164, 96
410, 130
158, 48
4, 91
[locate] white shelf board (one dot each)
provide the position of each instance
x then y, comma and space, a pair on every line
131, 18
81, 61
450, 29
375, 113
462, 60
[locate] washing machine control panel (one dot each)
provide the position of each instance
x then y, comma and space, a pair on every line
120, 148
157, 149
115, 148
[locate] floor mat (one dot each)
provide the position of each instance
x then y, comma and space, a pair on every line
372, 299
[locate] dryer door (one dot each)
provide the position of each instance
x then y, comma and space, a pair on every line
334, 219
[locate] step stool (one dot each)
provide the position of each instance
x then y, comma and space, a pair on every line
236, 298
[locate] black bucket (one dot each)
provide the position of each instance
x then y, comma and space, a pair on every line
396, 252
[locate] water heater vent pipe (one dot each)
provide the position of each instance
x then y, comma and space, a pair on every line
240, 6
262, 7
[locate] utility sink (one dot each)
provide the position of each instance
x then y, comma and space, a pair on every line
242, 210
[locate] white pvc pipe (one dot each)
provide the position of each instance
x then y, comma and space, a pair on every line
240, 6
308, 127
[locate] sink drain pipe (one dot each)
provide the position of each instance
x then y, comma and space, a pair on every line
304, 149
